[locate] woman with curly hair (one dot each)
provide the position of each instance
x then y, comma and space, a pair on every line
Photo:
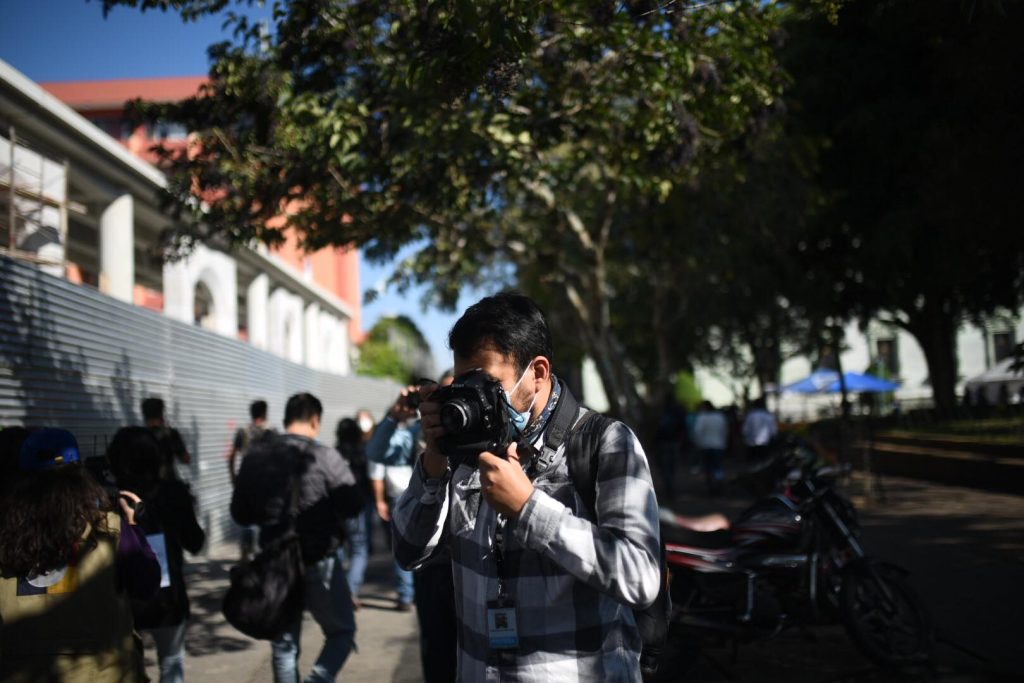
68, 564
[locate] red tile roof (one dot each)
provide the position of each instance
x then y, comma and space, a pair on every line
85, 95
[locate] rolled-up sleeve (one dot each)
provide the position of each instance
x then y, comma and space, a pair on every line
419, 517
619, 554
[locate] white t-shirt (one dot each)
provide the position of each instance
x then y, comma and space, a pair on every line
759, 428
711, 431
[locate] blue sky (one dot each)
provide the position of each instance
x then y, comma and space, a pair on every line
69, 40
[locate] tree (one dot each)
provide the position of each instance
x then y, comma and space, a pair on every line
920, 106
396, 348
511, 135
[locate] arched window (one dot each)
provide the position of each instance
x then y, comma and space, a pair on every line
203, 308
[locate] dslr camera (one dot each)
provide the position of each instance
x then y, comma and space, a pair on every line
475, 418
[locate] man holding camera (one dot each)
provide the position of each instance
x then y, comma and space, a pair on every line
545, 585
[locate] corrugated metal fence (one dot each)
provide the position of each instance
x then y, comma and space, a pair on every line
75, 358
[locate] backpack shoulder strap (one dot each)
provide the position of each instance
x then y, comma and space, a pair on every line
582, 455
581, 438
561, 421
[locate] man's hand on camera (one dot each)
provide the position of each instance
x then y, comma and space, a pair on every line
434, 461
401, 410
503, 482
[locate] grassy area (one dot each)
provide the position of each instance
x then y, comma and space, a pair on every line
993, 430
1006, 429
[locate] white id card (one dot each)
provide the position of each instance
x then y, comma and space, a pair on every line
501, 625
159, 545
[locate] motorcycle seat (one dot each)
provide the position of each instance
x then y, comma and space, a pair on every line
711, 540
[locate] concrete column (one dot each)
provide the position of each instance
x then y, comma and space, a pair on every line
179, 292
314, 354
117, 248
340, 352
256, 311
296, 331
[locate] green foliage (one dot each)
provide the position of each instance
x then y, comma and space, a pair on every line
918, 107
395, 347
377, 358
519, 141
686, 391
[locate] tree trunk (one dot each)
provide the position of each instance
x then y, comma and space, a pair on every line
934, 327
603, 347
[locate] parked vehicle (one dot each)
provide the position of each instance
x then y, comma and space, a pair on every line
793, 558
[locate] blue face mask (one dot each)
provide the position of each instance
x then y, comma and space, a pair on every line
519, 419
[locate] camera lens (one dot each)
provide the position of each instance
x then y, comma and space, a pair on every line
459, 415
413, 401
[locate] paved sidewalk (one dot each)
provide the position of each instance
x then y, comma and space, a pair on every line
387, 640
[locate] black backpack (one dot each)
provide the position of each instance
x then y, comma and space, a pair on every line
581, 455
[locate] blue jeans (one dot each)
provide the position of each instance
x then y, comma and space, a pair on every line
329, 601
170, 652
357, 529
403, 584
713, 469
403, 577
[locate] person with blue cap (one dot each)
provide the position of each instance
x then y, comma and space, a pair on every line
68, 565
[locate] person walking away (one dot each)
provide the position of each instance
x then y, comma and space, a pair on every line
327, 495
759, 429
172, 446
169, 522
366, 425
390, 452
257, 429
349, 442
69, 564
544, 584
711, 438
669, 439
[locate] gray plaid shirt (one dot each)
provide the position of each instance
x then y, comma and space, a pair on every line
574, 579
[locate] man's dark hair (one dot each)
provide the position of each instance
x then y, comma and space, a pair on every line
510, 322
134, 455
258, 410
152, 408
302, 408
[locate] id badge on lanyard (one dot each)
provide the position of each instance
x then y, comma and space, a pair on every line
502, 629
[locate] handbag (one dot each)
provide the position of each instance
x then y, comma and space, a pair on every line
266, 597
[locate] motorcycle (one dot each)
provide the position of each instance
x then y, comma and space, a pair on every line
793, 558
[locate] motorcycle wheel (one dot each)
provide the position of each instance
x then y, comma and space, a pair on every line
884, 617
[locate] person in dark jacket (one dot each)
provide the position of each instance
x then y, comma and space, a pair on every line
169, 522
327, 495
172, 446
69, 563
349, 442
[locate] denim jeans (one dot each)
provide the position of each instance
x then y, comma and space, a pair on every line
170, 652
358, 549
329, 600
403, 584
403, 577
713, 469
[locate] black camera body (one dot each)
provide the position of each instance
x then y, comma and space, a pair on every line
475, 418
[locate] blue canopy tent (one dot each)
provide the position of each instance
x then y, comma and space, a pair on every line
823, 381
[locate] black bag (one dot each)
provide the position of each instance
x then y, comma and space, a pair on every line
581, 455
266, 594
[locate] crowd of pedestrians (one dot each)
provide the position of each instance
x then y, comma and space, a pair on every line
515, 568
